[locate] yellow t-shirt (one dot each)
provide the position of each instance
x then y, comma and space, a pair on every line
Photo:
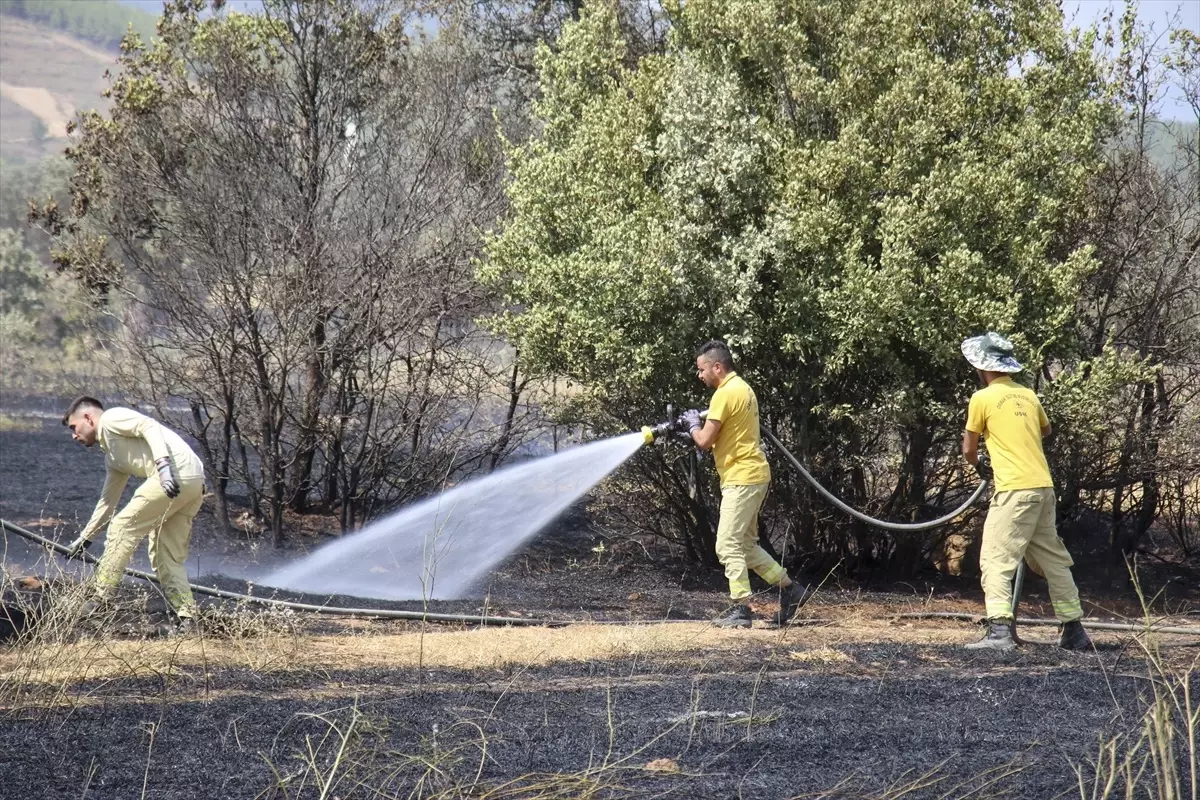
738, 449
1010, 419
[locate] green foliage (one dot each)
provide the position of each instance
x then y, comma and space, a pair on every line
842, 191
22, 288
42, 318
104, 22
24, 182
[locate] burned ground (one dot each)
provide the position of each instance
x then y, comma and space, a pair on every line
763, 713
654, 702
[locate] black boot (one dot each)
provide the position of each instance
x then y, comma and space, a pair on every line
998, 637
1074, 637
790, 599
738, 616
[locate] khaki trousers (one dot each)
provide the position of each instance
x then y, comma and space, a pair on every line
1020, 525
168, 524
737, 540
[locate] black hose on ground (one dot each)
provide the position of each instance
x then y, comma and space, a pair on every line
878, 523
361, 613
383, 613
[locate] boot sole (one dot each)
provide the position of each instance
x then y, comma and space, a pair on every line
1001, 648
742, 623
1075, 648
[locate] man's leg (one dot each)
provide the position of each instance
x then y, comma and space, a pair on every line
792, 595
169, 549
1009, 526
757, 558
144, 513
739, 510
1048, 550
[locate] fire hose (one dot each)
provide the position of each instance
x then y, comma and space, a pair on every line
473, 619
676, 426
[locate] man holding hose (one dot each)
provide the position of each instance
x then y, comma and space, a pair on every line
731, 431
1020, 522
161, 509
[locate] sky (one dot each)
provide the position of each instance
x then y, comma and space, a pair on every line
1162, 15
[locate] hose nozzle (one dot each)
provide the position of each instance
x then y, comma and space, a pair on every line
651, 433
678, 425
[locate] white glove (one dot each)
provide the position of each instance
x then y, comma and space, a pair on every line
76, 549
169, 484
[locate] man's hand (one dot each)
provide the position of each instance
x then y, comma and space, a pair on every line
691, 420
983, 465
169, 484
77, 548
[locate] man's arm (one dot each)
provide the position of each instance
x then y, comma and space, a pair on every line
106, 506
139, 426
706, 437
970, 447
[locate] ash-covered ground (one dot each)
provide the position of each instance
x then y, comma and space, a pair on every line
854, 702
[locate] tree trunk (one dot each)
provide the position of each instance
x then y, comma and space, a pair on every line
300, 484
210, 459
514, 399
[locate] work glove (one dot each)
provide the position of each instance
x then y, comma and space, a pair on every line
77, 548
690, 420
169, 484
983, 465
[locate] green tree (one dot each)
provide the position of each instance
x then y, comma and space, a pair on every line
842, 191
22, 290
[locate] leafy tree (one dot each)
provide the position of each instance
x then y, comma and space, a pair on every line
842, 191
288, 205
22, 289
1131, 400
42, 320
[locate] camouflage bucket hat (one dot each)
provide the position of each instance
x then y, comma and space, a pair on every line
991, 352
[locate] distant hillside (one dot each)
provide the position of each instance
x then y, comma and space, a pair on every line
101, 22
45, 78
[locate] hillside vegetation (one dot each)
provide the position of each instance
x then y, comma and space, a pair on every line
101, 22
53, 57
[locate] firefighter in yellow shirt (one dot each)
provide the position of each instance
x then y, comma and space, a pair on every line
162, 508
731, 431
1021, 519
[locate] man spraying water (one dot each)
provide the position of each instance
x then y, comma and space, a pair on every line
731, 431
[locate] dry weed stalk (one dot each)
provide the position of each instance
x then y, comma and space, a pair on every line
1160, 758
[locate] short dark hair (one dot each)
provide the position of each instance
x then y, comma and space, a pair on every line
81, 402
718, 351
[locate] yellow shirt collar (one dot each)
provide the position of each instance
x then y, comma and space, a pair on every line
726, 379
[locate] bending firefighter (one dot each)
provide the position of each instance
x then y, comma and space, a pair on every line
162, 508
731, 431
1020, 522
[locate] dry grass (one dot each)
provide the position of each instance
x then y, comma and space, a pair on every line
269, 642
1158, 755
270, 648
9, 423
485, 648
